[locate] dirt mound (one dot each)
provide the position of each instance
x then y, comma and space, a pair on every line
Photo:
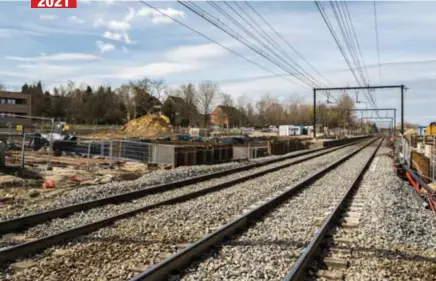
147, 126
410, 132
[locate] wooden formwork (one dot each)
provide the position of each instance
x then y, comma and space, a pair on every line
421, 164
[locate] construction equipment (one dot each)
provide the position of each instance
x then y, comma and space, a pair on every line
431, 129
62, 140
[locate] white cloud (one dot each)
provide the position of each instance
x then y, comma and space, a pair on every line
152, 70
8, 32
48, 17
131, 15
105, 47
158, 18
127, 39
75, 19
197, 52
50, 69
99, 22
118, 25
112, 35
56, 57
161, 20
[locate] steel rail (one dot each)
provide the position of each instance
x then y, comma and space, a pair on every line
22, 223
162, 270
32, 247
298, 270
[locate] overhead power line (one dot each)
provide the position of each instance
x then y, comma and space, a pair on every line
253, 37
260, 47
284, 76
287, 42
377, 42
349, 45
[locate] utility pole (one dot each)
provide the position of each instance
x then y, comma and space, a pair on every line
314, 113
402, 109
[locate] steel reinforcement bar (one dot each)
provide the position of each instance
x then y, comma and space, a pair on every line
298, 271
178, 261
22, 223
32, 247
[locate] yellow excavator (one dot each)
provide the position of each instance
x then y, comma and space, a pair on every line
431, 129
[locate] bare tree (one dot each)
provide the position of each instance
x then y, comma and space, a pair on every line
207, 94
157, 88
242, 102
2, 87
127, 95
226, 99
189, 95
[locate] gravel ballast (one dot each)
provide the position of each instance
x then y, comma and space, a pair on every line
88, 193
82, 218
396, 235
267, 250
146, 239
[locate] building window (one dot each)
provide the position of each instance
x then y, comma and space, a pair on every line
3, 101
11, 101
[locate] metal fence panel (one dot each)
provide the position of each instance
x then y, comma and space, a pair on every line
163, 154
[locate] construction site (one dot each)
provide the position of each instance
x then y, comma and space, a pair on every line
217, 140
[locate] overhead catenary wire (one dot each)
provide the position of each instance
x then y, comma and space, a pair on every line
350, 50
274, 74
286, 42
257, 39
354, 42
258, 28
255, 26
377, 42
227, 29
284, 76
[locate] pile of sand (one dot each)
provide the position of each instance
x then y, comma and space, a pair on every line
410, 132
147, 126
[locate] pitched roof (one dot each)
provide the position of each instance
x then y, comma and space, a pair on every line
230, 110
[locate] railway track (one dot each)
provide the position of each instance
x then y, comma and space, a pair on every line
162, 223
388, 236
274, 234
24, 221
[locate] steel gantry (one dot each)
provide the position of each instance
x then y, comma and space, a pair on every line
373, 109
401, 87
385, 119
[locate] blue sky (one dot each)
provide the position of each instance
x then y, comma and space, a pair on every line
112, 42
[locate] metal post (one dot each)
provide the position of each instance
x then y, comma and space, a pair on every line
50, 148
314, 113
402, 109
10, 132
433, 156
22, 152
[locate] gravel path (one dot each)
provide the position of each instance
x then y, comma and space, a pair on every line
397, 236
146, 239
88, 193
267, 250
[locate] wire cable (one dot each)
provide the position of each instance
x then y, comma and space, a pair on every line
200, 12
286, 42
284, 76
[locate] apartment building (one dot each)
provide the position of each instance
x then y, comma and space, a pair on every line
14, 104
